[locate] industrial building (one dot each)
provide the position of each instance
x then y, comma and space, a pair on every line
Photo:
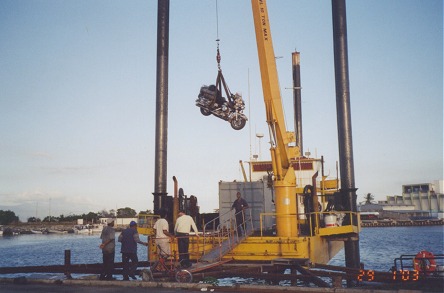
417, 201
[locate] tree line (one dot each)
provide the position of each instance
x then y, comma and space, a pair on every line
9, 217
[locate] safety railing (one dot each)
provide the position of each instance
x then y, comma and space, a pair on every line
217, 238
228, 233
243, 221
160, 256
215, 226
320, 223
156, 252
424, 263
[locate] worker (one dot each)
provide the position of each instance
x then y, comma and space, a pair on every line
163, 236
129, 239
182, 229
239, 206
108, 249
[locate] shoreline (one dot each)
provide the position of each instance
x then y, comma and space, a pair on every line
401, 223
46, 227
68, 227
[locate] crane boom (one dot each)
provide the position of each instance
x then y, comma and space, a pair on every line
281, 150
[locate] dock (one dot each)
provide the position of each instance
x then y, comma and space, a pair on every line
280, 275
23, 285
401, 223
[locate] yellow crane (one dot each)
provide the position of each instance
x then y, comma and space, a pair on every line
281, 150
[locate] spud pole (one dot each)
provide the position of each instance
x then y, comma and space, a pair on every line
348, 190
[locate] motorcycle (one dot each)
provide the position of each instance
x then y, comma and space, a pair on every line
210, 101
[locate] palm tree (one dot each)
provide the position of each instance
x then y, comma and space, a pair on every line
369, 198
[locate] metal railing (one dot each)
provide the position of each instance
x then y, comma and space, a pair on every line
417, 261
195, 249
245, 224
316, 220
226, 234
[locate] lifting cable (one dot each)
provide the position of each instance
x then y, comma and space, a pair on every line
220, 80
217, 37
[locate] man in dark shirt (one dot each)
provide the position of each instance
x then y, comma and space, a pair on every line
129, 239
239, 206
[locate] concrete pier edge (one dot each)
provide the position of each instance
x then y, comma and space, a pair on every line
193, 286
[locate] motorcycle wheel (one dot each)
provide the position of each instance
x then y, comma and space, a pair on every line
238, 123
205, 112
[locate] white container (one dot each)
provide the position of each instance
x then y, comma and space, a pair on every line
330, 220
258, 196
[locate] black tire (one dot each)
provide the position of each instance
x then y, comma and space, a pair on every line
184, 276
205, 112
238, 124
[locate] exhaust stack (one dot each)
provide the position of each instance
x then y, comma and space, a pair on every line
296, 62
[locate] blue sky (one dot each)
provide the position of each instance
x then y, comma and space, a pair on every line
78, 90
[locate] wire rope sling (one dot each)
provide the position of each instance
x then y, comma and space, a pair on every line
212, 102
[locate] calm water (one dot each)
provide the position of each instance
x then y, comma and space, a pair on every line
378, 247
49, 249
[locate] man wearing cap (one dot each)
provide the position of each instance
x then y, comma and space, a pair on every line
129, 239
108, 246
184, 223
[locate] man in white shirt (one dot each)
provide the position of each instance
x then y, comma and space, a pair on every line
163, 235
184, 223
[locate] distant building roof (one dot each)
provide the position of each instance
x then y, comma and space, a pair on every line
370, 207
373, 207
